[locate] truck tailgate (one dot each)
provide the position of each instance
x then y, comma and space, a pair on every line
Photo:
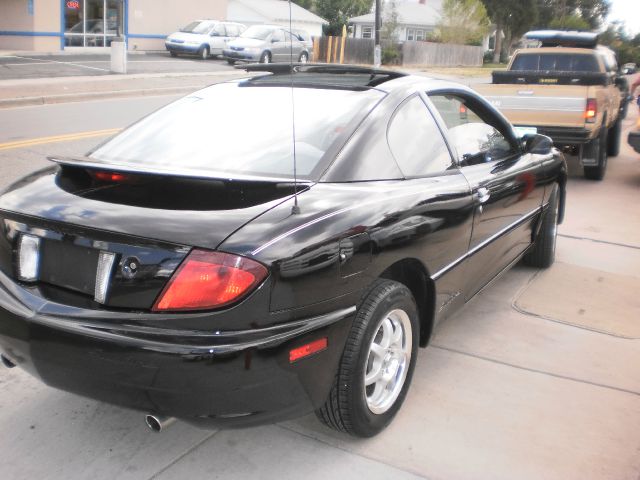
539, 105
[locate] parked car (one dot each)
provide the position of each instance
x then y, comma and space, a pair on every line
267, 44
187, 269
568, 89
629, 68
305, 38
203, 38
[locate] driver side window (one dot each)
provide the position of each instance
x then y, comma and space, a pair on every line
475, 140
277, 36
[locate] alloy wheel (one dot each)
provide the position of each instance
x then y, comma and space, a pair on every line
388, 361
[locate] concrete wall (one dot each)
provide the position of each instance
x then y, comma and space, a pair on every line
15, 17
162, 17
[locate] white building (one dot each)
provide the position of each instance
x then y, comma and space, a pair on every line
274, 12
416, 19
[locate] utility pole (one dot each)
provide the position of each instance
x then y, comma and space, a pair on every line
377, 53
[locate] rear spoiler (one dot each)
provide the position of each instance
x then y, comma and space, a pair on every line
524, 77
90, 164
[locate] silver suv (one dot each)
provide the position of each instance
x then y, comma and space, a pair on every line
266, 44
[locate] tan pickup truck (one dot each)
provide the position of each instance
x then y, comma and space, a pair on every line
568, 89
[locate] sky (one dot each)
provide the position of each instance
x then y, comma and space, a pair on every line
629, 12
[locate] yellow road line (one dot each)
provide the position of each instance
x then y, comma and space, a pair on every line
58, 138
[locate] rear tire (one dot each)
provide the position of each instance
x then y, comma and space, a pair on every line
173, 54
596, 172
377, 363
613, 138
543, 252
231, 62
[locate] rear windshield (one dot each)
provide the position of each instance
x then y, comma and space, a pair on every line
556, 62
230, 128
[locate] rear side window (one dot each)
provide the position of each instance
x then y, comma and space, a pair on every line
556, 62
416, 142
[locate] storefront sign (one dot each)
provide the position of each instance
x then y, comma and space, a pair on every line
73, 5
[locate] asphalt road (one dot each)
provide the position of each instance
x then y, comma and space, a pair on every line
538, 377
66, 65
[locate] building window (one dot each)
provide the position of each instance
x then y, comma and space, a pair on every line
420, 35
411, 34
367, 32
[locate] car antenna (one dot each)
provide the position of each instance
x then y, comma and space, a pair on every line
295, 209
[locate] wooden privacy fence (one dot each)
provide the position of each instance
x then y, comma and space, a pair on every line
441, 54
343, 50
360, 51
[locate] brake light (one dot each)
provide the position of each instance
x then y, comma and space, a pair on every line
591, 111
208, 280
109, 176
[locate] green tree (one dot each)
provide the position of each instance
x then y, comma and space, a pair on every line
390, 22
463, 22
593, 12
308, 4
570, 22
338, 12
513, 18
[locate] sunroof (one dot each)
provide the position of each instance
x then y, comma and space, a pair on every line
336, 76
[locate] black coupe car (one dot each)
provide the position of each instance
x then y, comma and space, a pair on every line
184, 269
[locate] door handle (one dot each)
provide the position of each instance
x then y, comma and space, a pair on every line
483, 195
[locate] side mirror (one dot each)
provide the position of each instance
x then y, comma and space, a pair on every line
537, 144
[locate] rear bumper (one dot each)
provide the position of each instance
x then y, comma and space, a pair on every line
634, 140
564, 136
219, 379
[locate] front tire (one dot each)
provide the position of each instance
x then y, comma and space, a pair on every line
377, 363
543, 252
173, 54
265, 57
203, 53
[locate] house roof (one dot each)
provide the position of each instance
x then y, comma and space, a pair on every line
409, 13
278, 11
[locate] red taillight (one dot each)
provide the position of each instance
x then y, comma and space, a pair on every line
207, 280
308, 349
109, 176
591, 111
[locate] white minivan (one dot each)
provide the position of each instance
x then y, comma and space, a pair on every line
203, 38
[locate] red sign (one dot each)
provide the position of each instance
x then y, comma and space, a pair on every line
73, 4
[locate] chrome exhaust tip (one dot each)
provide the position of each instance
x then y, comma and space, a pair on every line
6, 362
158, 423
